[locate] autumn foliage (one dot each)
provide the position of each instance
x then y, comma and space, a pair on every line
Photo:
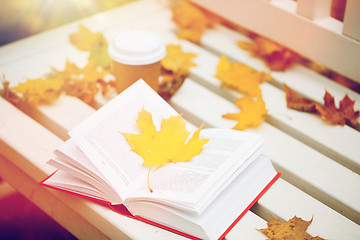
275, 56
171, 144
247, 81
345, 114
294, 229
192, 21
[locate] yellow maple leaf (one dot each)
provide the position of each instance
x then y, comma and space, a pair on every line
82, 82
252, 113
176, 60
241, 77
169, 144
40, 90
84, 40
174, 70
295, 228
192, 21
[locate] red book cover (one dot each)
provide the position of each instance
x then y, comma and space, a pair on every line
121, 209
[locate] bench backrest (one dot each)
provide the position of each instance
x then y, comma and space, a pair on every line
305, 26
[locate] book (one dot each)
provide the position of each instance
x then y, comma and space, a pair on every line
200, 199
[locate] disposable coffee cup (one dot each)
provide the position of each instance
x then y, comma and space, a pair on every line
136, 54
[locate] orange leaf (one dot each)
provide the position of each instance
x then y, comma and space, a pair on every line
295, 101
342, 115
345, 113
275, 56
241, 77
295, 228
192, 21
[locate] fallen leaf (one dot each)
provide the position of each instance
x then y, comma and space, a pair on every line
82, 82
8, 94
84, 39
295, 101
344, 114
176, 60
169, 144
252, 113
174, 70
241, 77
192, 21
40, 90
295, 229
276, 57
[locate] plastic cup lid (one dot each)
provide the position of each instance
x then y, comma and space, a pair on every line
136, 47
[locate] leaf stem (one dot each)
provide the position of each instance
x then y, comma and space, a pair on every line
148, 181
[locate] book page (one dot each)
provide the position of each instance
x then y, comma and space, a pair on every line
100, 138
193, 185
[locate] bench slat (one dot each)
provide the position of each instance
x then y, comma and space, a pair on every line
208, 107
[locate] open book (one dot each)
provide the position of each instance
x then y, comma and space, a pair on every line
203, 198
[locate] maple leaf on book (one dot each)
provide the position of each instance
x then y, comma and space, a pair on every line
170, 144
192, 196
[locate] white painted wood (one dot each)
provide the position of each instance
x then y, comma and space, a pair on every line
278, 21
352, 19
29, 146
314, 9
300, 163
307, 83
289, 156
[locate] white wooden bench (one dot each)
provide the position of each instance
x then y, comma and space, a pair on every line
320, 163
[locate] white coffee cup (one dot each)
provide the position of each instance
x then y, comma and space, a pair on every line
136, 54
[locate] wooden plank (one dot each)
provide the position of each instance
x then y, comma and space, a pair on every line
118, 16
303, 82
27, 167
352, 19
314, 9
283, 200
280, 23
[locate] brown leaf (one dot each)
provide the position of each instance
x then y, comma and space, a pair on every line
295, 229
275, 56
295, 101
344, 114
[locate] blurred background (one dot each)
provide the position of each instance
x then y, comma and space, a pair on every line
22, 18
19, 218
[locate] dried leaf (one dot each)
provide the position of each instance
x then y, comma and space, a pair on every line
192, 21
295, 229
295, 101
82, 82
84, 40
276, 57
252, 113
176, 60
174, 70
40, 90
241, 77
8, 94
169, 144
344, 114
